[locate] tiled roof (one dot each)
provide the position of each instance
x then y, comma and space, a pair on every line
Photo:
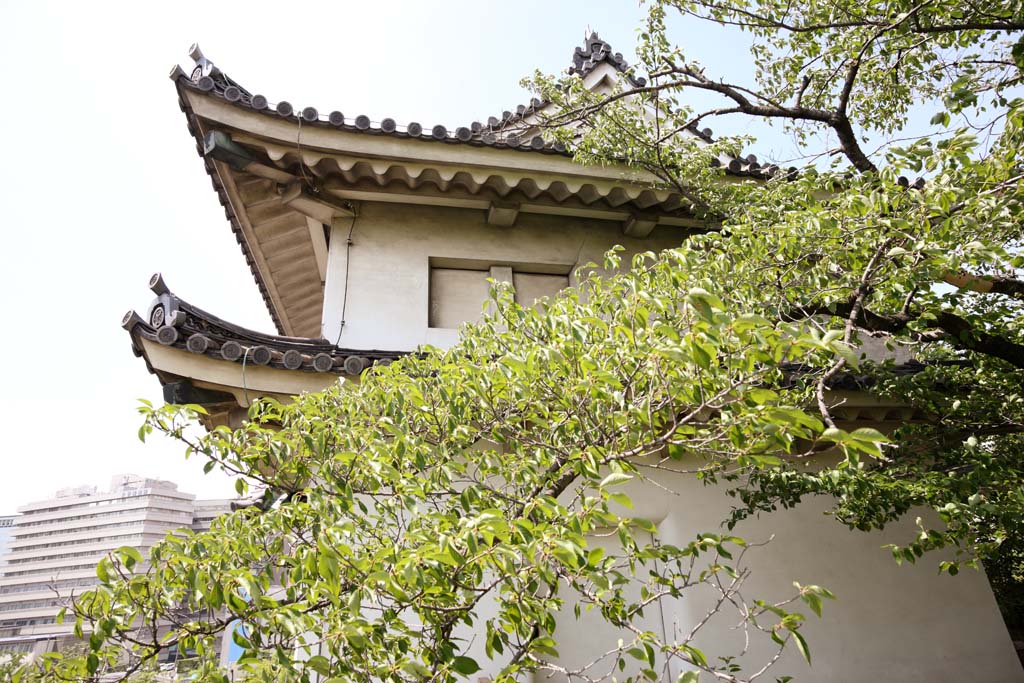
500, 133
852, 381
594, 52
584, 60
218, 84
496, 132
174, 322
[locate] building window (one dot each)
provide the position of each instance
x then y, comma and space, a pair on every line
459, 287
457, 295
533, 286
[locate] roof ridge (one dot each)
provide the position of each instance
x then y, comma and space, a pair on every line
208, 78
500, 132
596, 51
584, 60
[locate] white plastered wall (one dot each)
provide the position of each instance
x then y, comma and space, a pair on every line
388, 294
889, 623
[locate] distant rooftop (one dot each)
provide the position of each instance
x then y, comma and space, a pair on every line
118, 484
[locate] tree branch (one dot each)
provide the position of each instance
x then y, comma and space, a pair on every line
958, 331
999, 23
986, 284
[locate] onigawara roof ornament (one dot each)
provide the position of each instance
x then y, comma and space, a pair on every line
595, 51
204, 67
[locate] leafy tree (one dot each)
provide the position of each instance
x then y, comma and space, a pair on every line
447, 482
932, 267
11, 662
457, 493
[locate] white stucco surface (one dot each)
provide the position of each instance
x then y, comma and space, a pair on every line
889, 622
388, 297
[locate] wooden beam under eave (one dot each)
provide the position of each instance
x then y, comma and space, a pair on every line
503, 213
284, 251
316, 235
297, 273
255, 248
285, 224
456, 201
322, 206
639, 226
307, 292
273, 210
309, 321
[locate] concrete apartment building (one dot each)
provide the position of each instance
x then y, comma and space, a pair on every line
205, 511
6, 525
56, 543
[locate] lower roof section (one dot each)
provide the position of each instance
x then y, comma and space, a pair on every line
202, 359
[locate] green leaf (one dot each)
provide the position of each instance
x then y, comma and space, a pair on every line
465, 665
836, 435
696, 656
801, 645
813, 601
319, 664
129, 556
622, 499
416, 669
869, 434
614, 479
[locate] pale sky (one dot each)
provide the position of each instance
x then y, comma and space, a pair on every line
101, 184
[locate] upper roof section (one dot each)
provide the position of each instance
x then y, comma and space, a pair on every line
207, 77
283, 172
495, 131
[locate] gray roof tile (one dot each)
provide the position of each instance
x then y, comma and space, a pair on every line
497, 132
171, 321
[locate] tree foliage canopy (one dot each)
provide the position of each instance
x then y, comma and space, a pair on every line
932, 267
400, 507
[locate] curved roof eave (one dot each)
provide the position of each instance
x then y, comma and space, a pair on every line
181, 342
480, 158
